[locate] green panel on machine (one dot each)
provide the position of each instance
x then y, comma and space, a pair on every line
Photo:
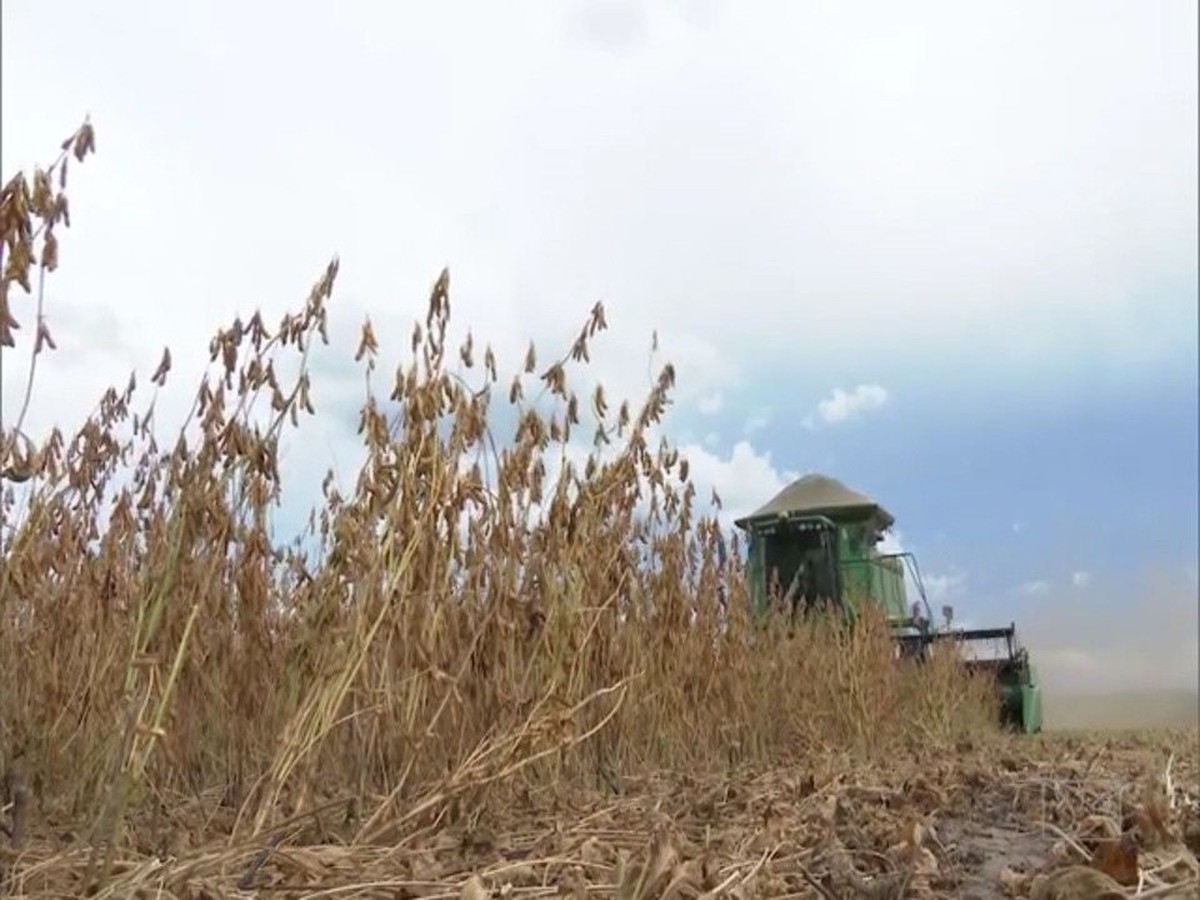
869, 575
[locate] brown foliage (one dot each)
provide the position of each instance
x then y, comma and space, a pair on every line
1118, 859
463, 627
31, 208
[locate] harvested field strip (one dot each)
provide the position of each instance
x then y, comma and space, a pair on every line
986, 822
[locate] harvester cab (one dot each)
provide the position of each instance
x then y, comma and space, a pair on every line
814, 547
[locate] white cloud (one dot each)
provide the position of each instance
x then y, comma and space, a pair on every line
711, 404
842, 406
1091, 192
1081, 579
615, 26
944, 587
756, 422
1017, 527
1037, 588
744, 480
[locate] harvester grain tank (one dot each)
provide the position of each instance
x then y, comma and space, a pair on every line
815, 545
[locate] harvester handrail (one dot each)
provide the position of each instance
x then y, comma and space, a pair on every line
914, 570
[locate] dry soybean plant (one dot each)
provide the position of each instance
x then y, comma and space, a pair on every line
31, 209
478, 616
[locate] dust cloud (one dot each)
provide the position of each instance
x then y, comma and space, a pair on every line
1119, 654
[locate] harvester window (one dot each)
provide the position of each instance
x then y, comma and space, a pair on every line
800, 565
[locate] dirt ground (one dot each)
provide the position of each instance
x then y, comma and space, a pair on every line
984, 821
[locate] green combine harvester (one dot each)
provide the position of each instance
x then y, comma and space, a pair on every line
815, 546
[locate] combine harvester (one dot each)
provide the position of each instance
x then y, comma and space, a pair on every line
818, 541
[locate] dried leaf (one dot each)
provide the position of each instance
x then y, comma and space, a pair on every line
1076, 883
164, 366
1118, 859
474, 889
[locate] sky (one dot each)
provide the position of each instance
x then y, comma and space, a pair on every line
946, 253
